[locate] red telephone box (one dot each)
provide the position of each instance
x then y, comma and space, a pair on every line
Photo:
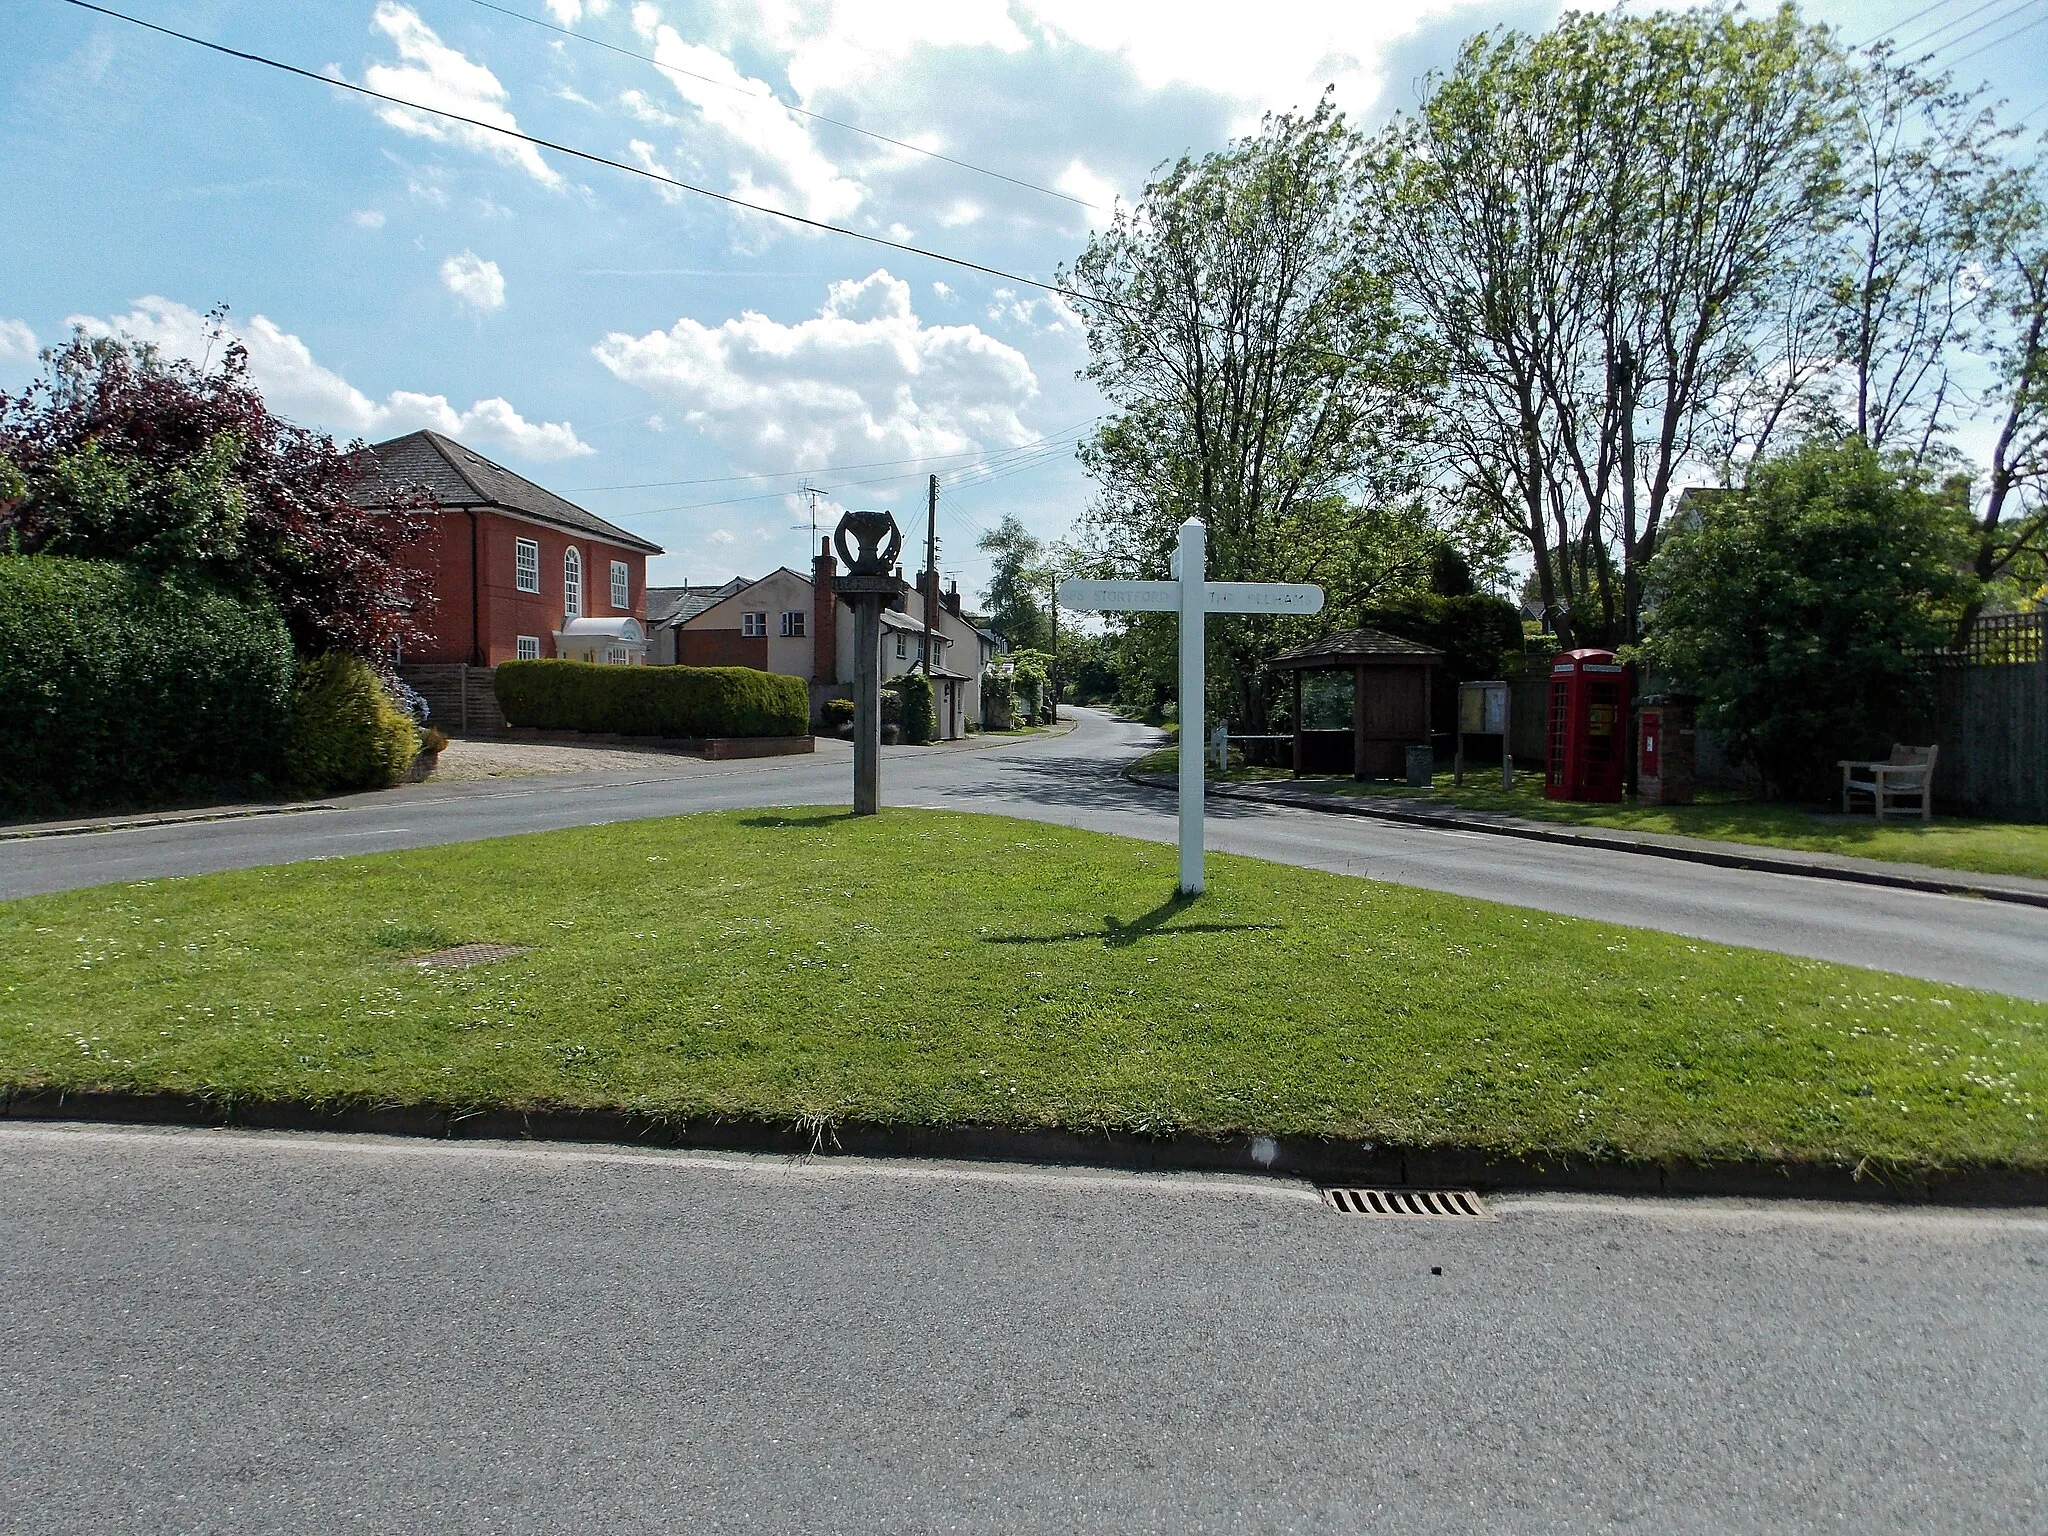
1588, 725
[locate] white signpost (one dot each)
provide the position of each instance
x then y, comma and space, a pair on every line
1193, 597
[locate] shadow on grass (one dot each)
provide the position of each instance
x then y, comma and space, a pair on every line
796, 818
1115, 934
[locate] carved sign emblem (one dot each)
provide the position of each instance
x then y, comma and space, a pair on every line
878, 537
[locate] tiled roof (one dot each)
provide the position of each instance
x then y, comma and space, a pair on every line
1349, 646
461, 477
673, 605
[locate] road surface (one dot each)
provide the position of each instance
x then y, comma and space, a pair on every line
1076, 780
211, 1332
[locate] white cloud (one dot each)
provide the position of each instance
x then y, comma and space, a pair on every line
958, 212
17, 342
1011, 308
837, 44
569, 12
644, 108
369, 218
945, 292
720, 536
282, 367
644, 156
787, 170
473, 280
435, 75
1077, 180
864, 378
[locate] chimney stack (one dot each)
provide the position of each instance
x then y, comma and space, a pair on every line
824, 615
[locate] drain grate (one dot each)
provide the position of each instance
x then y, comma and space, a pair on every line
1441, 1204
462, 956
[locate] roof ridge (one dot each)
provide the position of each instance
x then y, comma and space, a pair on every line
441, 445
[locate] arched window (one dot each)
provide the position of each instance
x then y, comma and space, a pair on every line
572, 584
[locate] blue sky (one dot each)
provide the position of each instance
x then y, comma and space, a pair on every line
615, 339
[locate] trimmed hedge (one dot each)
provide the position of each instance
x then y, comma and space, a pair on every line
687, 702
347, 730
119, 688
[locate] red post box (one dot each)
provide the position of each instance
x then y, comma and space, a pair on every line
1588, 726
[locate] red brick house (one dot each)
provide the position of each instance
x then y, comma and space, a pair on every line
519, 572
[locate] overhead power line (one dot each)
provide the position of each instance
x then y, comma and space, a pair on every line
1029, 456
1957, 21
591, 157
1888, 31
1999, 42
829, 469
1964, 37
816, 117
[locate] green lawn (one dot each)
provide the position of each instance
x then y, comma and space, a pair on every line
1947, 842
933, 968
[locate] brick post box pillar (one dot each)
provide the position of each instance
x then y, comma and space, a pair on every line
1666, 753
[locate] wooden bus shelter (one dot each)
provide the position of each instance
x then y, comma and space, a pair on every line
1390, 693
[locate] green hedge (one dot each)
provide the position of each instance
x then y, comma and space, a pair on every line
346, 732
920, 718
690, 702
120, 688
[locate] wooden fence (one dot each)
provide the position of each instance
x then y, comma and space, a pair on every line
460, 699
1990, 720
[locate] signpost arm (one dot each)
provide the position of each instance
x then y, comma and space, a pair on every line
1193, 584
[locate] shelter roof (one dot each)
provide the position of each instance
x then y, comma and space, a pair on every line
1359, 647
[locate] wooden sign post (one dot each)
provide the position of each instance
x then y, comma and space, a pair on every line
1190, 594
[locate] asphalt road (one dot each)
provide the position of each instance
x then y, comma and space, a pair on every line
1076, 780
206, 1332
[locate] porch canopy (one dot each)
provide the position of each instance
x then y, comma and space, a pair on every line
1390, 690
618, 638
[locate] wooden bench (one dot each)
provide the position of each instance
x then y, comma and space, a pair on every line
1907, 775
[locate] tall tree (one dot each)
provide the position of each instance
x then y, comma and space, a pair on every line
1014, 590
125, 454
1919, 166
2012, 532
1260, 377
1597, 226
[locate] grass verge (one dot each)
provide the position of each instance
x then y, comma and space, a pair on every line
929, 968
1947, 842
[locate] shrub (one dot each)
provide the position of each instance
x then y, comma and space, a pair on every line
347, 732
121, 688
1795, 607
837, 713
998, 700
689, 702
920, 719
432, 740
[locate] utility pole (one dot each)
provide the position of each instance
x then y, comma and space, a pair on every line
931, 569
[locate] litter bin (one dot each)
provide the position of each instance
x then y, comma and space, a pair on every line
1421, 766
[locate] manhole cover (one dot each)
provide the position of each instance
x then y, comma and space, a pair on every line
462, 956
1453, 1204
